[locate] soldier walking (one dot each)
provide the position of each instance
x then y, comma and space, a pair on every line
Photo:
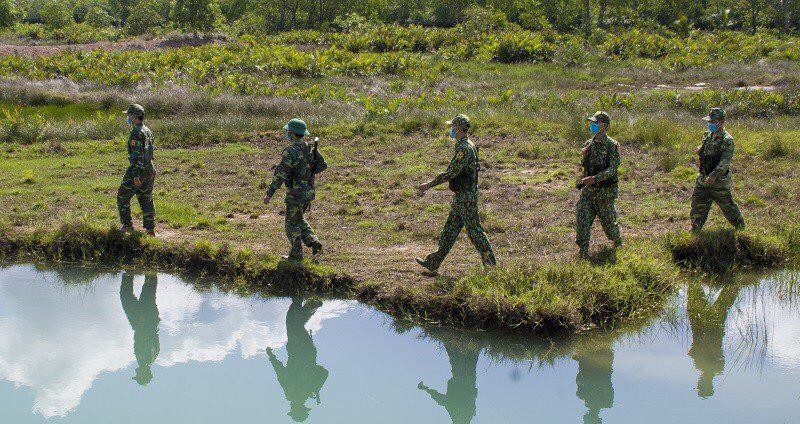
462, 176
599, 184
713, 183
140, 175
299, 164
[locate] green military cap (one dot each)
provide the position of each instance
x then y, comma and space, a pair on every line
297, 126
460, 120
714, 114
135, 109
600, 117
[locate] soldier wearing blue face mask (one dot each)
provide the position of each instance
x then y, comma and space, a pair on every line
713, 183
599, 184
140, 175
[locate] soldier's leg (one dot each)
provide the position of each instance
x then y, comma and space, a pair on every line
306, 232
583, 222
125, 193
607, 214
701, 205
476, 233
145, 196
730, 209
447, 238
294, 231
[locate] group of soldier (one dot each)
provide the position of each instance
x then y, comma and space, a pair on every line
301, 162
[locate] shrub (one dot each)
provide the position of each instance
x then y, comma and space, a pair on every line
98, 17
720, 250
522, 47
7, 17
17, 128
55, 14
145, 17
777, 147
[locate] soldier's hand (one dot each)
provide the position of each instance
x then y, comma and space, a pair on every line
421, 386
709, 180
422, 189
137, 181
589, 181
267, 198
697, 149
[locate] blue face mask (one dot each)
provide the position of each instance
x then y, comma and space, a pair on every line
594, 128
713, 127
452, 133
289, 136
128, 120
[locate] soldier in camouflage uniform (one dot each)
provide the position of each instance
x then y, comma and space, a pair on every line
299, 164
140, 175
714, 180
598, 185
462, 176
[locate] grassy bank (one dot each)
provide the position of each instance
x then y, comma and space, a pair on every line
543, 299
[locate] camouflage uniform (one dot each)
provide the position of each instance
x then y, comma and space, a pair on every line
295, 170
140, 154
715, 161
600, 159
462, 176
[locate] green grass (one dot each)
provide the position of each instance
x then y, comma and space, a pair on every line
723, 250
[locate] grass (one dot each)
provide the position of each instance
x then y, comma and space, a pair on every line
721, 250
382, 135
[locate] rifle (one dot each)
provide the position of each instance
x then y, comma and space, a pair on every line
314, 155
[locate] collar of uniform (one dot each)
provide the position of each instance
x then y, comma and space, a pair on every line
600, 140
462, 139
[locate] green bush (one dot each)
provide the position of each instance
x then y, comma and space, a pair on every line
145, 17
98, 17
522, 47
7, 17
56, 14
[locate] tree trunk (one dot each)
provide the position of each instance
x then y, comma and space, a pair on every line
587, 13
753, 15
601, 15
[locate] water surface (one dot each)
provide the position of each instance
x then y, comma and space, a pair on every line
80, 345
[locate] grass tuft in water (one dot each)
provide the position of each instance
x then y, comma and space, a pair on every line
721, 250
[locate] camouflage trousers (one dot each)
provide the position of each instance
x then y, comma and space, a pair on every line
463, 213
599, 204
702, 199
298, 231
143, 193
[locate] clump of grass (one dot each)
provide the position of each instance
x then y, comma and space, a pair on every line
546, 299
776, 147
721, 250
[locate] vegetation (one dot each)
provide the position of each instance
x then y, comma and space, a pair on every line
722, 250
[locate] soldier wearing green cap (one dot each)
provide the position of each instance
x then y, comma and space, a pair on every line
299, 163
713, 183
599, 184
140, 175
462, 176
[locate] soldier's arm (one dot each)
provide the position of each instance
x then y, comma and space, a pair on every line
454, 168
281, 173
137, 153
612, 169
725, 162
320, 164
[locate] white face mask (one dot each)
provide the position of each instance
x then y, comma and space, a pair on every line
128, 120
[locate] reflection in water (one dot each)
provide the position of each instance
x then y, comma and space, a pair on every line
142, 314
301, 378
707, 322
462, 390
595, 366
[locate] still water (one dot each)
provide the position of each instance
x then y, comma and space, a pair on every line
86, 346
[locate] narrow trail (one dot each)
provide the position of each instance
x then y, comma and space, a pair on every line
31, 49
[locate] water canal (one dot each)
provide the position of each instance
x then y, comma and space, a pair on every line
79, 345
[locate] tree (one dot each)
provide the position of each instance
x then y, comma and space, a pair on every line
145, 16
56, 14
6, 13
196, 15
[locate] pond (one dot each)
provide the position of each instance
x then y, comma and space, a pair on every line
81, 345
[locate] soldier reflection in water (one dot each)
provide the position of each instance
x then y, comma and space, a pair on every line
707, 321
142, 314
462, 391
301, 378
595, 366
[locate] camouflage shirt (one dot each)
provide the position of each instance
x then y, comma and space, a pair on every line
462, 172
601, 159
140, 151
295, 171
716, 154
